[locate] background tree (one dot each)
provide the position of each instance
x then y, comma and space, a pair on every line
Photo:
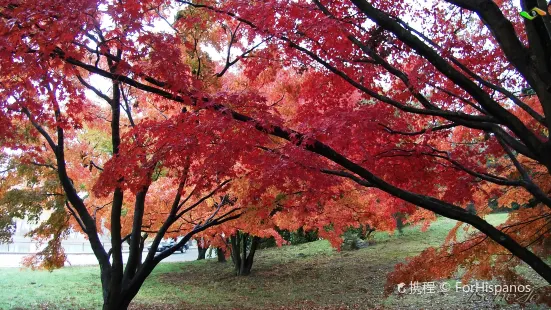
201, 248
297, 212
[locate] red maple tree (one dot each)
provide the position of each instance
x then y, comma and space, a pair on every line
437, 105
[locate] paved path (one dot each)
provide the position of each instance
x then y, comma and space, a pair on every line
14, 260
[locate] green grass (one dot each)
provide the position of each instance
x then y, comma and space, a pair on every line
70, 288
306, 276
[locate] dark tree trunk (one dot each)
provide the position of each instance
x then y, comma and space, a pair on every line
117, 295
201, 249
221, 255
121, 300
243, 261
202, 252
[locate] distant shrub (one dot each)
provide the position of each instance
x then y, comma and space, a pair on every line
295, 237
351, 238
300, 236
267, 243
357, 237
400, 218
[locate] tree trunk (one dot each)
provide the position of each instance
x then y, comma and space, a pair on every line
116, 300
243, 261
202, 252
221, 255
201, 249
117, 303
120, 301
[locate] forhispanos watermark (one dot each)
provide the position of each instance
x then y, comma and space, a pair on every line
485, 287
477, 291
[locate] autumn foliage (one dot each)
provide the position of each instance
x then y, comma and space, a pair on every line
318, 114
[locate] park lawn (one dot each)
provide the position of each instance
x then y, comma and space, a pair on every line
307, 276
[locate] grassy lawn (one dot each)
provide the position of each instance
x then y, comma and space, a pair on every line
308, 276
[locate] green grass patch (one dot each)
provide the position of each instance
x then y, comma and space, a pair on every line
67, 288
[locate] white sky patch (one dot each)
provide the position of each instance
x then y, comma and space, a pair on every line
160, 25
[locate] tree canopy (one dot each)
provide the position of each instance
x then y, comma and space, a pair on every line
319, 114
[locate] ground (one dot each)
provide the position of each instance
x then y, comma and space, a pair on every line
308, 276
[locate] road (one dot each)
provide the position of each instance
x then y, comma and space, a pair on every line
14, 260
